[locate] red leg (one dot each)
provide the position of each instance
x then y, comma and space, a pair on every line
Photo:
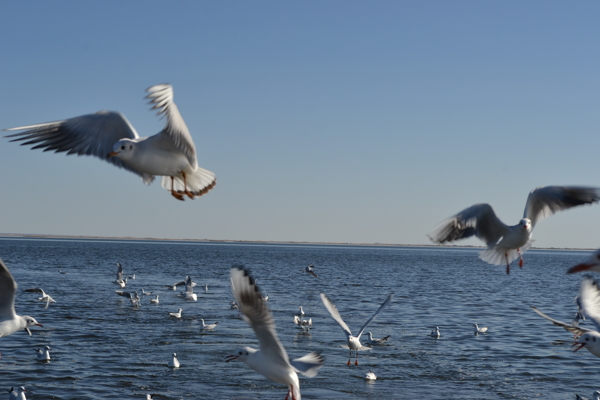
174, 193
189, 194
520, 258
288, 394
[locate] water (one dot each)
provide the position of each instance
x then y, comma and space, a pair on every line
103, 348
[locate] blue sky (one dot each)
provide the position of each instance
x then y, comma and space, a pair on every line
337, 121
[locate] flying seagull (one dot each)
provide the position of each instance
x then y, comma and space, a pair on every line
507, 243
108, 135
271, 360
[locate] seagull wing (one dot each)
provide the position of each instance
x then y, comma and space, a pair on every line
335, 314
161, 98
381, 307
8, 289
119, 272
573, 329
256, 312
35, 290
89, 135
589, 294
309, 364
546, 201
479, 220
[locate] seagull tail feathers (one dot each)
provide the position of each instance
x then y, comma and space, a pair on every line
309, 364
495, 255
199, 183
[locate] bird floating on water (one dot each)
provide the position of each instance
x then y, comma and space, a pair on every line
108, 135
371, 376
435, 332
480, 330
208, 327
507, 243
176, 314
372, 340
43, 354
174, 363
18, 394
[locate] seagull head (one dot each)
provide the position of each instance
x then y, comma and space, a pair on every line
589, 340
525, 223
241, 354
31, 321
592, 264
122, 149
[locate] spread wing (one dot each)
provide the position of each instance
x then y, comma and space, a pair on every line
87, 135
335, 314
546, 201
8, 288
589, 295
161, 97
479, 220
381, 307
571, 328
257, 314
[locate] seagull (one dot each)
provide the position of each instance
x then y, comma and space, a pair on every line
108, 135
209, 327
271, 360
45, 296
149, 396
174, 363
154, 301
372, 340
146, 293
205, 288
353, 341
233, 305
371, 376
132, 277
302, 323
133, 297
596, 396
10, 322
310, 269
181, 283
189, 290
592, 264
62, 272
19, 394
435, 332
176, 314
589, 294
507, 243
301, 313
43, 354
480, 330
119, 280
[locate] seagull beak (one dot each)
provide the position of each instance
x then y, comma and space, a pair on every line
112, 154
580, 267
580, 346
40, 325
230, 358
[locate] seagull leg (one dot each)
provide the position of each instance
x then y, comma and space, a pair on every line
189, 194
520, 258
507, 264
288, 395
356, 361
174, 193
349, 357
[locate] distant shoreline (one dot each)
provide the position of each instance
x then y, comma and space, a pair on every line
146, 239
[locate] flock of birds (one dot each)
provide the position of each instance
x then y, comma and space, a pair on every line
171, 154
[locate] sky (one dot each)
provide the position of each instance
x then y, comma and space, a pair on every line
337, 121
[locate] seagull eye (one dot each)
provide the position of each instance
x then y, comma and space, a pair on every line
122, 147
130, 147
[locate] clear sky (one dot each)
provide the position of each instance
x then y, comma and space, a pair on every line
340, 121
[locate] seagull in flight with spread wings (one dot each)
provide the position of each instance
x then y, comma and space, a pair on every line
271, 360
353, 341
589, 295
108, 135
507, 243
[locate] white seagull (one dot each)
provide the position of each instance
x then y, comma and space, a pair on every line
271, 360
480, 330
353, 341
174, 363
189, 294
372, 340
119, 279
146, 293
176, 314
371, 376
45, 296
304, 324
10, 322
18, 394
507, 243
589, 294
108, 135
435, 332
208, 327
134, 298
154, 301
43, 354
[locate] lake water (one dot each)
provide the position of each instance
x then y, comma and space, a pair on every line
103, 348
